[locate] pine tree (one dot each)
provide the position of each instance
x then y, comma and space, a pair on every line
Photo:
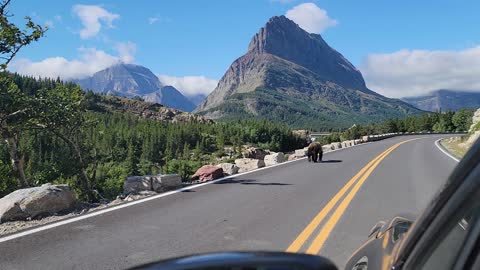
132, 159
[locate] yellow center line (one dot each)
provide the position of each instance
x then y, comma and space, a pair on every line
305, 234
324, 233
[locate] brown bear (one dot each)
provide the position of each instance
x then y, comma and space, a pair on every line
315, 152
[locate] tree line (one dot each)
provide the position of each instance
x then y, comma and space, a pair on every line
438, 122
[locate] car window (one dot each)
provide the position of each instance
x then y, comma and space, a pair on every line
443, 252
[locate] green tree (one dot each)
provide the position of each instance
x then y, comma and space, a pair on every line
14, 108
132, 158
462, 119
61, 111
12, 38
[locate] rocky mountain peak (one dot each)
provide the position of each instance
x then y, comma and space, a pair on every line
284, 38
129, 80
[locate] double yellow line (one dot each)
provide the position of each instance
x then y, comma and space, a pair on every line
357, 182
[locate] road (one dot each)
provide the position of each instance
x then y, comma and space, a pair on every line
270, 209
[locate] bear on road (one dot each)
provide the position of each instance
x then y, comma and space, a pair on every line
314, 152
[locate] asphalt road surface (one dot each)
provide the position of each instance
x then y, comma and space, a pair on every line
325, 208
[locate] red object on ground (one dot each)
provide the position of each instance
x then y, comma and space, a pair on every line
208, 172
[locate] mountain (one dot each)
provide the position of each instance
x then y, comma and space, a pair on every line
445, 100
197, 99
294, 77
130, 80
170, 97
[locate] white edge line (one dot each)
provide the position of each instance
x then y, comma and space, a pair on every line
437, 143
124, 205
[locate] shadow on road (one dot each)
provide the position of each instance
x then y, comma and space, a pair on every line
251, 182
331, 161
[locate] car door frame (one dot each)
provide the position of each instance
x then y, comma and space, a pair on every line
463, 183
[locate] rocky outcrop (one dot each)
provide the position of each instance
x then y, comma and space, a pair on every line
248, 164
37, 201
207, 173
475, 120
228, 168
274, 158
157, 183
146, 110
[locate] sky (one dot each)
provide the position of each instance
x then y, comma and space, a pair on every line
403, 48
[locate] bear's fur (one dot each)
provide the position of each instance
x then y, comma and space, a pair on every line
315, 152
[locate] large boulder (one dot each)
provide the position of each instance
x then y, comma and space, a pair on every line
158, 183
336, 145
163, 182
327, 148
359, 141
135, 184
248, 164
207, 173
301, 152
253, 152
228, 168
274, 158
37, 201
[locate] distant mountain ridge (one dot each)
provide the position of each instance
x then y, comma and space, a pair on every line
294, 77
445, 100
129, 80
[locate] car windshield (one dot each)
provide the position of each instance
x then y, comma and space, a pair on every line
137, 131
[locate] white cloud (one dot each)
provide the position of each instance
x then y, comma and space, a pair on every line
58, 18
416, 72
126, 51
93, 18
190, 85
90, 60
153, 20
310, 18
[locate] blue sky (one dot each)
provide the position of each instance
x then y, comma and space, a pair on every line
402, 47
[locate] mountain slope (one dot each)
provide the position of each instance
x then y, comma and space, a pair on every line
130, 80
291, 76
445, 100
171, 97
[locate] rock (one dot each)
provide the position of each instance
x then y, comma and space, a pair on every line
345, 144
37, 201
274, 158
291, 157
327, 148
253, 152
301, 152
475, 119
149, 183
336, 145
229, 168
208, 172
248, 164
359, 141
365, 138
163, 182
135, 184
473, 138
